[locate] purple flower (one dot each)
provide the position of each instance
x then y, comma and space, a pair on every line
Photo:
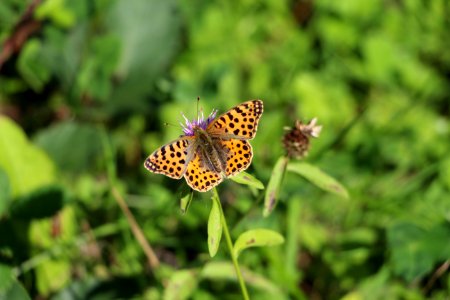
188, 129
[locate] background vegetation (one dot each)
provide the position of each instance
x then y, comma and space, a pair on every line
85, 89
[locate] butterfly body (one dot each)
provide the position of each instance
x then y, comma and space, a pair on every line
212, 154
211, 149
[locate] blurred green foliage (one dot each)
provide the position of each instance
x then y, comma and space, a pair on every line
86, 86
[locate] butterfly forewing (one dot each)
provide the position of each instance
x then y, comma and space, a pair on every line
171, 159
240, 122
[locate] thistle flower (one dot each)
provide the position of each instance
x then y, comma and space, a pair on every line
188, 128
296, 139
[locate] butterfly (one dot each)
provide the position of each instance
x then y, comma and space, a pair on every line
211, 149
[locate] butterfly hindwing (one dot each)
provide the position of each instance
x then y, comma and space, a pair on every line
239, 156
199, 177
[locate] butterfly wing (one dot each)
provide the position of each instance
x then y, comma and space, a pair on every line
239, 156
240, 122
199, 177
171, 159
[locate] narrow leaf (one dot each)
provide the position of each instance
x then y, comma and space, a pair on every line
214, 226
273, 187
245, 178
181, 285
318, 178
185, 202
257, 238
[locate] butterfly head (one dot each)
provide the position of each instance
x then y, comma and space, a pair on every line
191, 127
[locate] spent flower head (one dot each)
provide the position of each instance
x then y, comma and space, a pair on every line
296, 139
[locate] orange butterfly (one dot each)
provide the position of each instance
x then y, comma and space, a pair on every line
210, 150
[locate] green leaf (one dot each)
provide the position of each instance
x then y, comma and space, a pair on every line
52, 275
16, 292
12, 85
95, 74
27, 166
10, 14
245, 178
59, 142
181, 285
415, 250
56, 11
274, 185
6, 279
358, 236
32, 67
83, 289
147, 51
374, 287
10, 288
381, 57
214, 225
186, 201
41, 203
318, 177
5, 192
257, 238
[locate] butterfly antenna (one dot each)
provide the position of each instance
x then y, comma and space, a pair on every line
198, 101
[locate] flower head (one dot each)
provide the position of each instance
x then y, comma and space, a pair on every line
189, 127
296, 140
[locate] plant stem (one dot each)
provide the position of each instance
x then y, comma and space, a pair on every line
153, 260
230, 248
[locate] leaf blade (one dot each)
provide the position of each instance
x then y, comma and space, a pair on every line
247, 179
21, 160
214, 225
257, 238
318, 178
186, 201
274, 185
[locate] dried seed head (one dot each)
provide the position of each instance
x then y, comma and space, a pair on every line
296, 140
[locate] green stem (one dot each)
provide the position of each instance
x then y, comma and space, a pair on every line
230, 248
